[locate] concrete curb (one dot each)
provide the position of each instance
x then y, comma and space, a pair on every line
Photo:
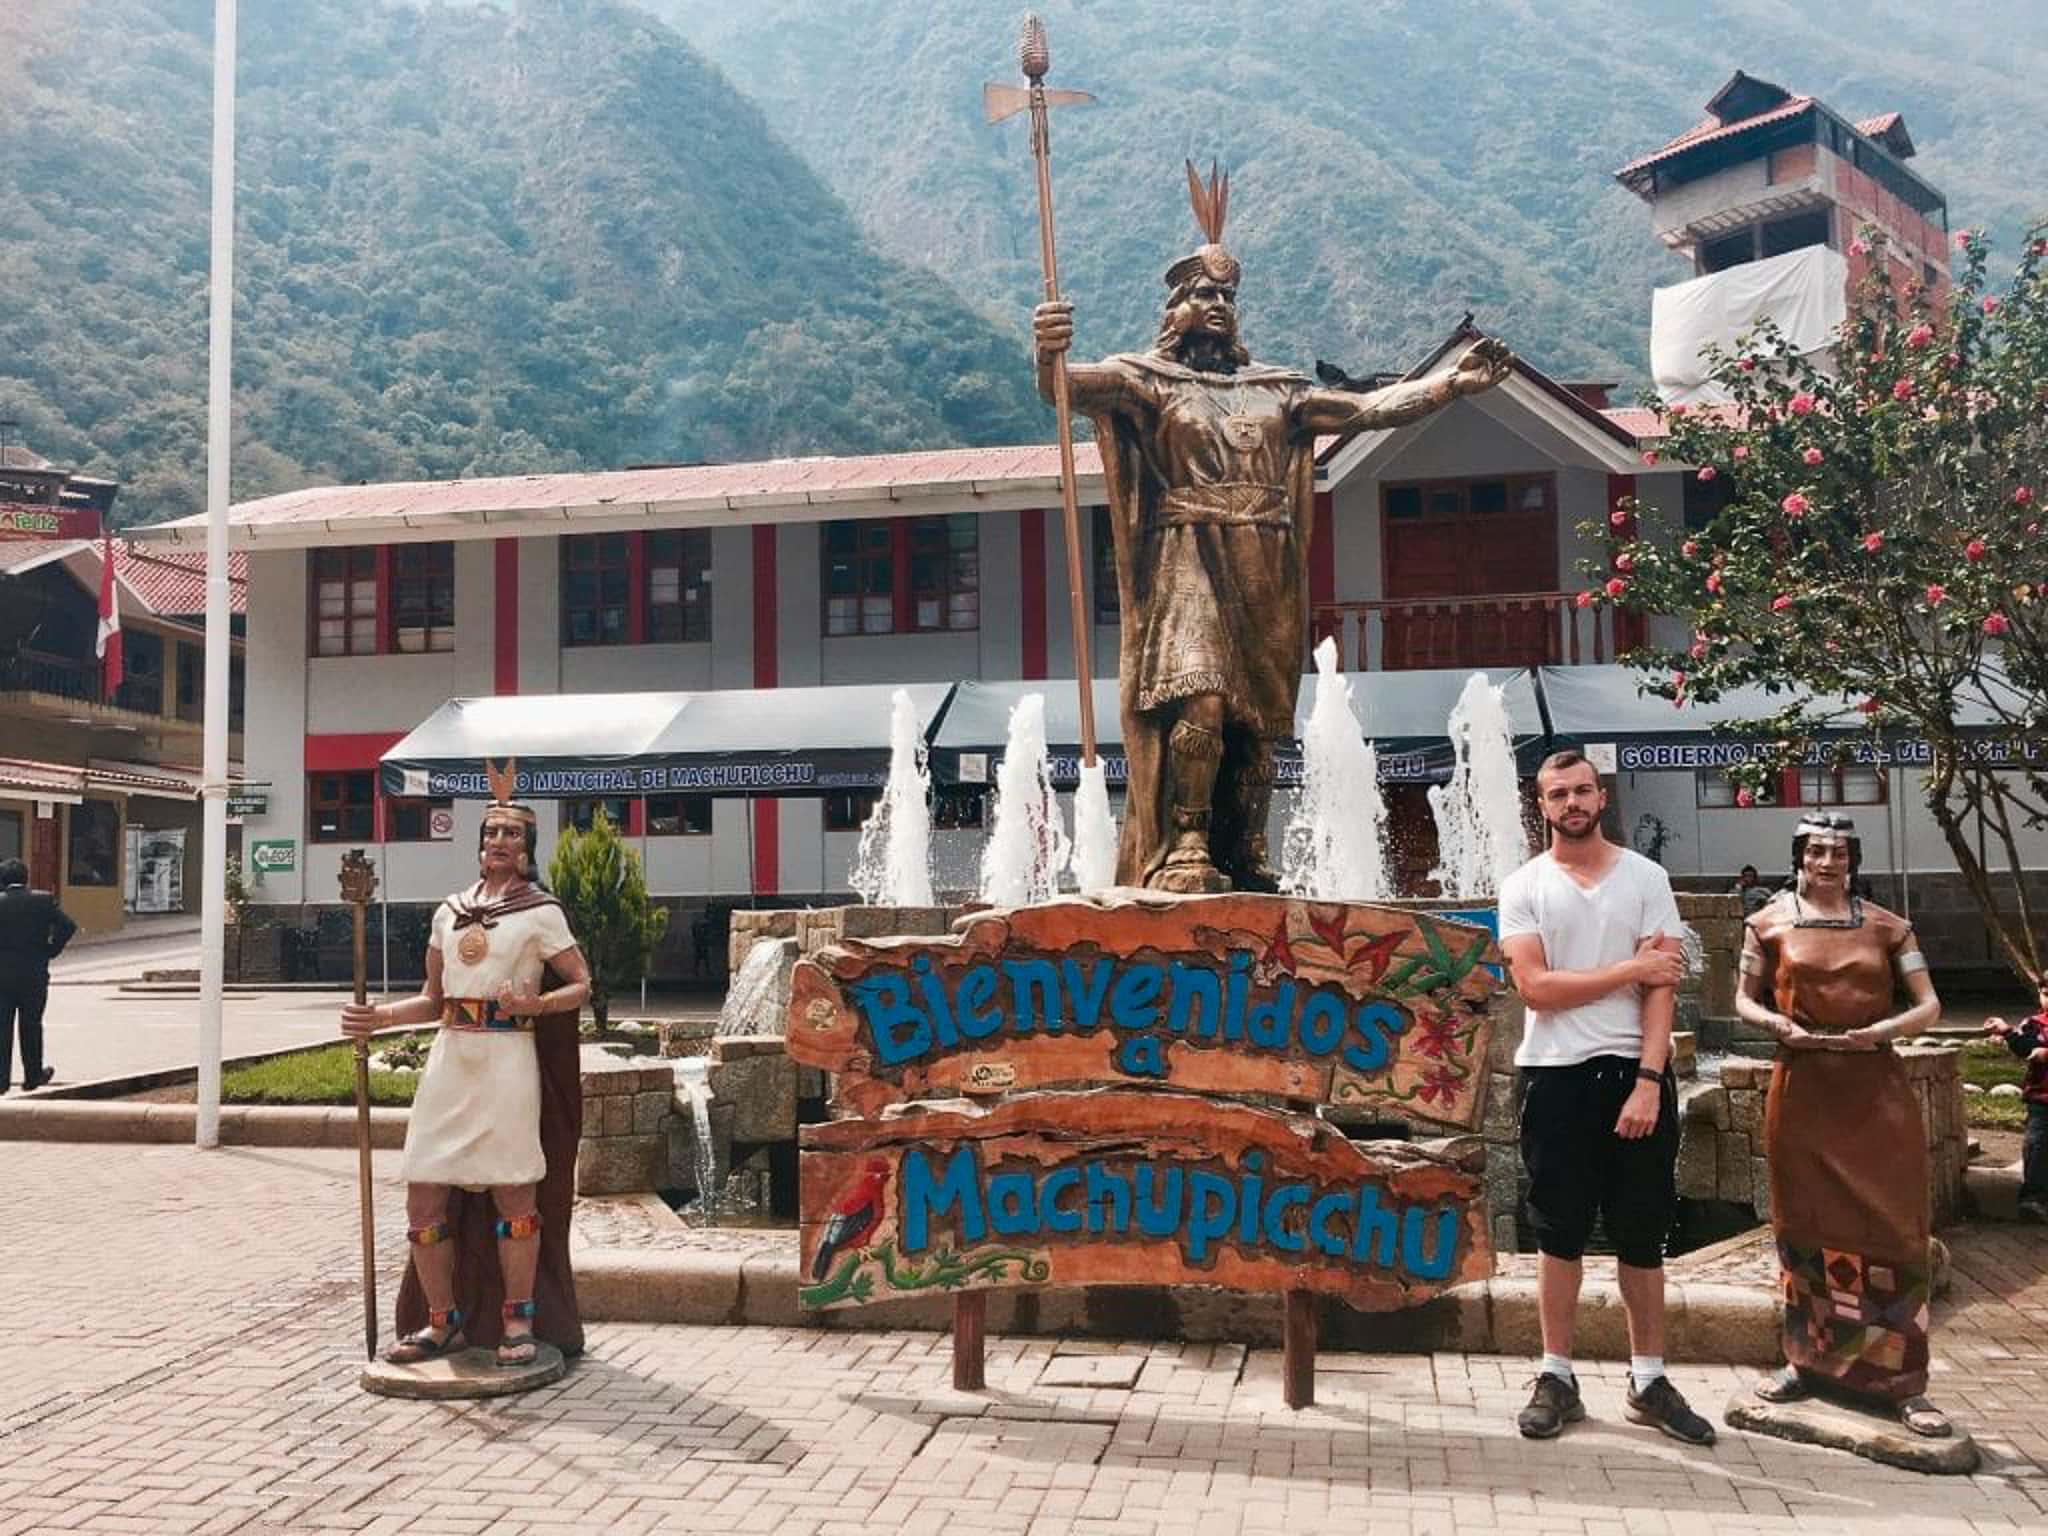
1705, 1323
246, 1125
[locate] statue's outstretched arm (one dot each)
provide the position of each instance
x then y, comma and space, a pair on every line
1093, 388
1328, 411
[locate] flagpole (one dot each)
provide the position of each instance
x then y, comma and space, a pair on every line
214, 755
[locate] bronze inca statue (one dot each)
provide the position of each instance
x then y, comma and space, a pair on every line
1209, 461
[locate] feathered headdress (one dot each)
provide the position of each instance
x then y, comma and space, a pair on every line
504, 784
1211, 204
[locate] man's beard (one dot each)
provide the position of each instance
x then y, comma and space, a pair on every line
1590, 829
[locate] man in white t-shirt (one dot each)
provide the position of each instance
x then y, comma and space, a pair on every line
1592, 934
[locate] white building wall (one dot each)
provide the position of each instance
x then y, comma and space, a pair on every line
274, 728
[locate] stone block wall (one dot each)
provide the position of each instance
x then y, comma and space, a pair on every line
815, 927
1722, 1154
626, 1109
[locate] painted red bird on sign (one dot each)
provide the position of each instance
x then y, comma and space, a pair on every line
855, 1214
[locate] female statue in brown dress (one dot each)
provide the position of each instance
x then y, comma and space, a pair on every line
1848, 1153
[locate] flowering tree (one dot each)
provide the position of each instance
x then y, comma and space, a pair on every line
1877, 549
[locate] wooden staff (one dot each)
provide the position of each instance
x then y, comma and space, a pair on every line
358, 885
999, 102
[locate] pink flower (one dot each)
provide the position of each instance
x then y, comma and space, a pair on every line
1994, 623
1800, 404
1689, 548
1780, 603
1616, 586
1677, 409
1990, 304
1714, 582
1707, 473
1873, 542
1974, 550
1796, 505
1858, 248
1962, 239
1741, 451
1624, 563
1583, 600
1618, 518
1745, 798
1649, 456
2022, 495
1919, 336
1902, 389
1698, 651
1811, 457
1870, 706
1746, 364
1677, 683
1935, 593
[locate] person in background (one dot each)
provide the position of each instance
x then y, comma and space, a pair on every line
2028, 1040
1751, 888
33, 932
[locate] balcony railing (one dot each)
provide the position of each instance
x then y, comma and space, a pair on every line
1504, 629
41, 672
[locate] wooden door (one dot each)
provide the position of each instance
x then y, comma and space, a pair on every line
43, 866
1459, 540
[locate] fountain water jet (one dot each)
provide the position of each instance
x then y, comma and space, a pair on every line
1094, 861
1027, 847
1480, 836
892, 867
1335, 843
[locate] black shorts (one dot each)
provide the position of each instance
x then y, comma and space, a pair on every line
1578, 1168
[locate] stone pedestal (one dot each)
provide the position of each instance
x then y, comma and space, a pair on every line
1861, 1431
465, 1374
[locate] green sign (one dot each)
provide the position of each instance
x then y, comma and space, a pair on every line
277, 857
248, 802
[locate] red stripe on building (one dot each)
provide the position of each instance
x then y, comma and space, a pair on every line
505, 616
1031, 589
348, 751
767, 816
1630, 629
1322, 569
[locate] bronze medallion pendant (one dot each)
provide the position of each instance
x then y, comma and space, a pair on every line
1244, 433
473, 945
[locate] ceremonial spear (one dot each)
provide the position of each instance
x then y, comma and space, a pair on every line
1091, 800
358, 885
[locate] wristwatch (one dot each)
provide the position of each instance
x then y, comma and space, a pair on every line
1650, 1075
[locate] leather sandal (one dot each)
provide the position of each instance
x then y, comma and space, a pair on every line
441, 1336
520, 1348
1923, 1418
1784, 1385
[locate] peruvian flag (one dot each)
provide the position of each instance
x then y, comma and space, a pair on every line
107, 646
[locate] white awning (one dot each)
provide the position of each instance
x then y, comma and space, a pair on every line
1805, 293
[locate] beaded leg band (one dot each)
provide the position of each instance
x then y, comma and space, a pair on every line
425, 1237
518, 1311
451, 1319
518, 1227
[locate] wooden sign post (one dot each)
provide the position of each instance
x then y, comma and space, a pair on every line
1083, 1093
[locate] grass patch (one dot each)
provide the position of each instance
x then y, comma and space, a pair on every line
325, 1076
1988, 1063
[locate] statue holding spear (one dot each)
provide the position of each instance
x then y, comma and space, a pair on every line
1208, 458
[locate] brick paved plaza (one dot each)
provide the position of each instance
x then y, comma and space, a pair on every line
187, 1331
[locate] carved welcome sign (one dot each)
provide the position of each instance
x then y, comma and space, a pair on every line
1116, 1187
1328, 1003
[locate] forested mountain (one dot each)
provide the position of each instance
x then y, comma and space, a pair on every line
1393, 162
472, 240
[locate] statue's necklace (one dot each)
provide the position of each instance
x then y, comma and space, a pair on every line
474, 944
1242, 430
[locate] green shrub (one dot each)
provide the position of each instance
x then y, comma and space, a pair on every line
325, 1076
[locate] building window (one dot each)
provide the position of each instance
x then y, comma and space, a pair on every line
422, 598
597, 582
191, 682
678, 815
581, 814
418, 821
860, 577
1841, 784
1713, 790
679, 585
142, 672
344, 601
95, 844
344, 807
957, 807
902, 575
1102, 559
848, 809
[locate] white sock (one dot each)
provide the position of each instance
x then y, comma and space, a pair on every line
1643, 1370
1559, 1366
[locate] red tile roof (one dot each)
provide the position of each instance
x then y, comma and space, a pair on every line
740, 489
25, 773
1707, 130
172, 583
20, 556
